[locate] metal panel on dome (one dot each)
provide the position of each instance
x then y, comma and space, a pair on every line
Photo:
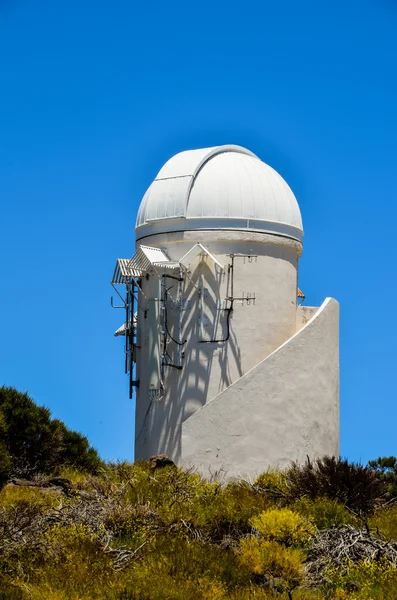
226, 187
183, 164
189, 162
167, 199
237, 186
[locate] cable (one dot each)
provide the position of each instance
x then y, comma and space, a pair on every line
173, 277
171, 364
229, 311
165, 312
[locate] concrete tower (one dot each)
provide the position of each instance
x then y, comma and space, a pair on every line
232, 375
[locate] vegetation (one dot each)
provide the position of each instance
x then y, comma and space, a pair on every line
31, 442
387, 466
78, 529
353, 485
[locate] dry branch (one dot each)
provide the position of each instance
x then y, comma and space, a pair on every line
341, 547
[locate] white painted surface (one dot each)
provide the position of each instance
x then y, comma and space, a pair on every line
285, 408
219, 188
256, 329
304, 314
190, 162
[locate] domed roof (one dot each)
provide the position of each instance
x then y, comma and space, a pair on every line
225, 187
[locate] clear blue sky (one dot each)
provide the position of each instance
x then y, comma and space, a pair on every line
96, 96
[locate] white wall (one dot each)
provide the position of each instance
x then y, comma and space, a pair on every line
256, 329
304, 314
285, 408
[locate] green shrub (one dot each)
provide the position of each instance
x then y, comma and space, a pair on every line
279, 566
227, 511
351, 484
324, 513
5, 456
284, 526
11, 591
174, 494
369, 580
387, 466
31, 442
384, 520
13, 497
273, 484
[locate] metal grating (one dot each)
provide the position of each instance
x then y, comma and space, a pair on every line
147, 257
158, 257
143, 260
123, 272
154, 255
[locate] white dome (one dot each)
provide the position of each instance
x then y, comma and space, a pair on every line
226, 187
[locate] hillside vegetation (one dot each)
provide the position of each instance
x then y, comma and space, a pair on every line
151, 531
32, 442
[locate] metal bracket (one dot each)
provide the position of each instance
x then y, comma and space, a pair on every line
196, 251
248, 298
113, 305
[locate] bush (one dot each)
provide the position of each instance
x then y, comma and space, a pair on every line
9, 591
229, 510
273, 484
31, 442
387, 467
369, 580
5, 456
13, 497
283, 525
174, 494
267, 557
384, 521
280, 567
351, 484
324, 513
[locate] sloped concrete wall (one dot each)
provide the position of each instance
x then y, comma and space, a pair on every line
304, 314
283, 409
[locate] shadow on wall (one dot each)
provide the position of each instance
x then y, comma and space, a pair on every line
209, 368
187, 390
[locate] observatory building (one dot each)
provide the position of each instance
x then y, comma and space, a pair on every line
233, 374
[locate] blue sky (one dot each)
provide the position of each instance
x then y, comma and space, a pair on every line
96, 96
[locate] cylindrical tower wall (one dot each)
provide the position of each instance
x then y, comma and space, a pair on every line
263, 316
